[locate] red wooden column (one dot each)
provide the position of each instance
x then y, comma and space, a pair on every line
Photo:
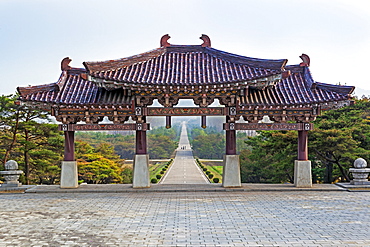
302, 145
230, 140
69, 146
141, 142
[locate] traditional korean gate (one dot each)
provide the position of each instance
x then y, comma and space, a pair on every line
248, 88
231, 174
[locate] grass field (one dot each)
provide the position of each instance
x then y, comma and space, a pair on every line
156, 168
215, 167
218, 169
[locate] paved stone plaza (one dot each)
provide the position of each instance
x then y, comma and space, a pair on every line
285, 218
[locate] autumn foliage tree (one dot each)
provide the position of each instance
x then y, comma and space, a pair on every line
99, 165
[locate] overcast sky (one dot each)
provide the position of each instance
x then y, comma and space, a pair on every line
36, 35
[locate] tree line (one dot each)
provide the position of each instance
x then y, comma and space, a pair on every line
339, 137
29, 137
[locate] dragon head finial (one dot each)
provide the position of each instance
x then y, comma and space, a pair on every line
206, 40
65, 64
306, 60
164, 40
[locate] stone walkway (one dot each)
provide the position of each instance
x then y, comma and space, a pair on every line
176, 213
285, 218
184, 170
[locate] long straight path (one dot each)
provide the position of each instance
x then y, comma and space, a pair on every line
184, 170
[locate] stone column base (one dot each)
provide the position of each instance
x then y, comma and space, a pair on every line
231, 172
69, 177
141, 171
302, 174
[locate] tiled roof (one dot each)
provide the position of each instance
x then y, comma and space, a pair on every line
72, 89
184, 65
298, 89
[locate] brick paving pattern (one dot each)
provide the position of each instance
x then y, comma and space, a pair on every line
285, 218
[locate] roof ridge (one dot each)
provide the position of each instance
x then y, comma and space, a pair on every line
275, 64
23, 91
341, 89
125, 61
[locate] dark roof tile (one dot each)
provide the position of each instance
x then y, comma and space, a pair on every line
184, 65
297, 89
74, 90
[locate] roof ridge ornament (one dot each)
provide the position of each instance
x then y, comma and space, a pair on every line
164, 40
206, 40
306, 60
65, 64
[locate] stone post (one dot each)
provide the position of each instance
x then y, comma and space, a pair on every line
302, 166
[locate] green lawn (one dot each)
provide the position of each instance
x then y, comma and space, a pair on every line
216, 170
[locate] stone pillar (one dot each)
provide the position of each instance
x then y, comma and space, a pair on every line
141, 171
231, 165
69, 176
231, 171
141, 162
302, 166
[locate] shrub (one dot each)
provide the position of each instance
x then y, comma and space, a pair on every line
210, 176
216, 180
164, 169
208, 172
162, 172
204, 169
154, 181
158, 176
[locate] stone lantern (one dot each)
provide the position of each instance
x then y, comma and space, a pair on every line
11, 174
360, 173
